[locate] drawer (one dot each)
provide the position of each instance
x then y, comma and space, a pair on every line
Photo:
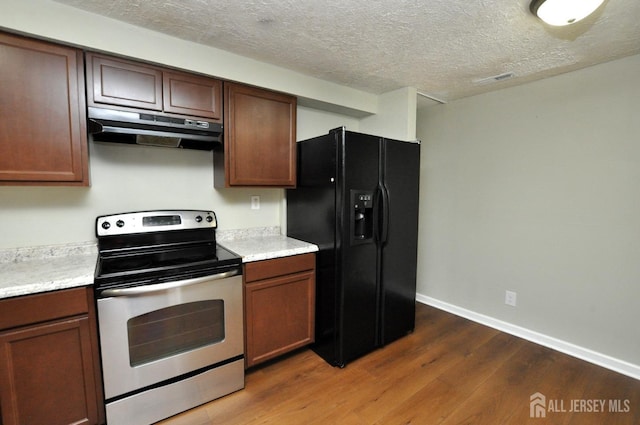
29, 309
266, 269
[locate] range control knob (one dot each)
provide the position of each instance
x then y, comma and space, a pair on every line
209, 219
198, 218
120, 223
106, 225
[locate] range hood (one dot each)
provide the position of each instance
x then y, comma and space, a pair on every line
109, 125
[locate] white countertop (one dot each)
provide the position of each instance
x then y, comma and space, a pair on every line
259, 248
25, 271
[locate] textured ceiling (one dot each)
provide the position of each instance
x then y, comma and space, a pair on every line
444, 48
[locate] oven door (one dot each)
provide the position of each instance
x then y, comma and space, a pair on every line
153, 333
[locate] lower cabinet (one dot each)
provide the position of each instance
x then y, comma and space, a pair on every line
279, 306
49, 363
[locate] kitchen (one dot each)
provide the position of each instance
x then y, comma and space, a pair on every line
601, 327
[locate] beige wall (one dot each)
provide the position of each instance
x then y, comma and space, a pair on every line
535, 189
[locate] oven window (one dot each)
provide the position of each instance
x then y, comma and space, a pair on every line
173, 330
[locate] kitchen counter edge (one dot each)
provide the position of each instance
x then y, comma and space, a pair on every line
267, 247
27, 271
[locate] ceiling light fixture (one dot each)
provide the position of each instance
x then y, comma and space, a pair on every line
563, 12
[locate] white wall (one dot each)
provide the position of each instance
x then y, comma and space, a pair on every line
312, 122
396, 116
535, 189
127, 178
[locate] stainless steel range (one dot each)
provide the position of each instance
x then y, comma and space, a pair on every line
169, 314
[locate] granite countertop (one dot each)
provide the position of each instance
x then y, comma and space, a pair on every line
265, 247
25, 271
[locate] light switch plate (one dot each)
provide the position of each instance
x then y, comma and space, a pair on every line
255, 202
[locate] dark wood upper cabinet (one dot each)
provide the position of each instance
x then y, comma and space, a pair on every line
192, 95
116, 82
259, 138
43, 138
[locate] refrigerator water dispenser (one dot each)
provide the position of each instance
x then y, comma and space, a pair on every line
361, 216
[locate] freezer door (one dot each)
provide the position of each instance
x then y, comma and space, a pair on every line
400, 175
358, 297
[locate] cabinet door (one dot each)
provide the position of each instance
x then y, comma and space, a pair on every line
193, 95
114, 81
43, 138
260, 138
279, 306
47, 375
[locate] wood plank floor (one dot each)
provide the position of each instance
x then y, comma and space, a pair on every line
449, 371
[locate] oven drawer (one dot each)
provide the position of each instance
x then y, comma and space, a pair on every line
151, 337
143, 408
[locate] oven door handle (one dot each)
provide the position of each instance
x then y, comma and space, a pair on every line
145, 289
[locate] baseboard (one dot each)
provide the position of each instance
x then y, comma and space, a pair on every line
582, 353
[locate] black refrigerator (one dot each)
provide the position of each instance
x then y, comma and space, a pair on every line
357, 199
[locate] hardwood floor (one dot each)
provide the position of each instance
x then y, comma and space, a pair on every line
449, 371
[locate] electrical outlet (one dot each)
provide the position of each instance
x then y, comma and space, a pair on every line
510, 298
255, 202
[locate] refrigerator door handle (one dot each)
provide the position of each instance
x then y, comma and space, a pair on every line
377, 195
385, 214
381, 214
